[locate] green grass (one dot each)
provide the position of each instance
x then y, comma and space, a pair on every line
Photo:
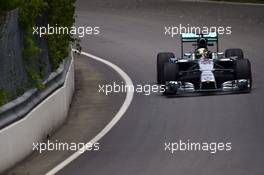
243, 1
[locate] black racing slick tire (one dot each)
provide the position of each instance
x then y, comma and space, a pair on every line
171, 72
243, 70
234, 52
162, 58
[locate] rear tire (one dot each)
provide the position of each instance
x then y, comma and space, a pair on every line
171, 72
162, 58
234, 52
243, 70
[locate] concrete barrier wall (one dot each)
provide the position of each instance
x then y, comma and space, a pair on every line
16, 140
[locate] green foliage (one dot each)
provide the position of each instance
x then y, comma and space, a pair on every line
4, 96
6, 5
60, 13
31, 50
57, 13
34, 77
28, 12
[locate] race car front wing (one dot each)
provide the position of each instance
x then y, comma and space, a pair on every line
178, 87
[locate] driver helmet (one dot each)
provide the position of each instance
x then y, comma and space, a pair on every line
202, 53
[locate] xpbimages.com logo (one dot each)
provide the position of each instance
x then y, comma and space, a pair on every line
173, 31
211, 147
146, 89
60, 30
64, 146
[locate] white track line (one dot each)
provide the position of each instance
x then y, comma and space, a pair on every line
109, 126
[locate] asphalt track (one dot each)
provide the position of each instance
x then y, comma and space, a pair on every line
132, 33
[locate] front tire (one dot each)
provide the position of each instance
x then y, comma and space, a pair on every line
171, 72
243, 70
162, 58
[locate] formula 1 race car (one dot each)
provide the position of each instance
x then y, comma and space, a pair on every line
204, 70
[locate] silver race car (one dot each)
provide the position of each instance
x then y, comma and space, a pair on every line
204, 70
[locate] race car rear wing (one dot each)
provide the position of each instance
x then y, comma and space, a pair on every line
211, 37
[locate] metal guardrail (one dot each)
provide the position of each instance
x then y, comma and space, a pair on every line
21, 106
